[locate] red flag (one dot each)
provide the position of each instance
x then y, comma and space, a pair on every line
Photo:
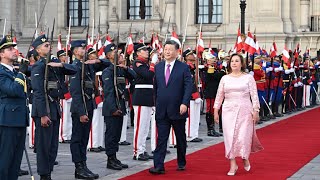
273, 50
59, 47
286, 55
239, 44
200, 45
129, 45
249, 44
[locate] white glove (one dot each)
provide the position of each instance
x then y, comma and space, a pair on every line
264, 64
269, 69
291, 70
224, 64
198, 101
300, 83
318, 63
280, 68
296, 85
251, 73
310, 83
287, 71
318, 83
154, 58
291, 64
276, 70
201, 66
301, 66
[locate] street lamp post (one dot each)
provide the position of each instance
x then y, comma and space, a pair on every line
243, 8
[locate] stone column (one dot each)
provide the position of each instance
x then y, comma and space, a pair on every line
304, 15
285, 10
103, 11
170, 11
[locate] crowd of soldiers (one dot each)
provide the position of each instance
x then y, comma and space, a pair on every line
87, 101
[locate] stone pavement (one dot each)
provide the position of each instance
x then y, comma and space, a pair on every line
97, 161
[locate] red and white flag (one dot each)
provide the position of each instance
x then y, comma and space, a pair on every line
200, 45
273, 50
175, 38
59, 46
129, 45
249, 44
286, 55
239, 44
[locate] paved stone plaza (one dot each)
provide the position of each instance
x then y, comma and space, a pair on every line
97, 161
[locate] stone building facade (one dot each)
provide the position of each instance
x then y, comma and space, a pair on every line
287, 22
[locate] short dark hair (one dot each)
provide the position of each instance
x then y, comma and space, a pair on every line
243, 64
172, 42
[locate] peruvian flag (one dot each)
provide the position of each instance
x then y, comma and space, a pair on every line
14, 40
106, 43
155, 41
98, 44
59, 47
129, 45
286, 55
175, 38
141, 40
68, 43
239, 44
249, 44
273, 50
256, 42
90, 42
200, 45
297, 51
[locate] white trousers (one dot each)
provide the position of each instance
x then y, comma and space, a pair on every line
306, 95
142, 115
125, 124
65, 129
96, 135
31, 129
192, 124
154, 130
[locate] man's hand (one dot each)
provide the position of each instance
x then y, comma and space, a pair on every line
45, 121
55, 64
94, 61
117, 113
84, 119
183, 109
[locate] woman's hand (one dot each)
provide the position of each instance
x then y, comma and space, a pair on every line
216, 118
255, 116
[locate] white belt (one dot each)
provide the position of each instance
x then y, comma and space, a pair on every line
147, 86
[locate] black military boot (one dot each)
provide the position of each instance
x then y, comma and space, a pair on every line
81, 173
123, 166
113, 163
95, 176
210, 126
45, 177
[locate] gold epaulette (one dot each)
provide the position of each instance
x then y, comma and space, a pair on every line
285, 80
285, 67
256, 67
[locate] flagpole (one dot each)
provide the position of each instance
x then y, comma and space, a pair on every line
4, 27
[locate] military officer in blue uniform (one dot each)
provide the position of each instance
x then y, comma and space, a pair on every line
82, 112
113, 108
14, 112
47, 119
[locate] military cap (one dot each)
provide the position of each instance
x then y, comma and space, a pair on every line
187, 52
61, 53
91, 50
6, 42
151, 50
39, 40
257, 57
139, 47
109, 48
78, 43
209, 56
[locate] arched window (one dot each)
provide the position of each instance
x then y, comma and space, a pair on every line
139, 9
209, 11
79, 12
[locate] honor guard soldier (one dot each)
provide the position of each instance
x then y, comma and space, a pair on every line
278, 86
142, 100
82, 106
14, 112
114, 104
46, 109
65, 129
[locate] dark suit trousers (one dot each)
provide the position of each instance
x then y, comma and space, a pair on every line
12, 142
47, 139
164, 126
80, 137
113, 133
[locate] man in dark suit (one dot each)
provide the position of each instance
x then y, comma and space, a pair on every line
173, 89
14, 112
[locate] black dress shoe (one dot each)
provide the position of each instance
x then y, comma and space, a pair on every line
124, 143
156, 171
45, 177
220, 131
66, 141
23, 172
148, 155
196, 140
141, 157
94, 149
55, 163
148, 138
181, 168
102, 148
213, 133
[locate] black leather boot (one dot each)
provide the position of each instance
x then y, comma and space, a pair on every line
210, 126
123, 166
95, 176
45, 177
81, 173
113, 163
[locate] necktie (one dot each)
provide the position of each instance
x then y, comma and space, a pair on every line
167, 73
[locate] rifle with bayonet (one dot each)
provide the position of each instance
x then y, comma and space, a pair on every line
46, 72
83, 73
115, 83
